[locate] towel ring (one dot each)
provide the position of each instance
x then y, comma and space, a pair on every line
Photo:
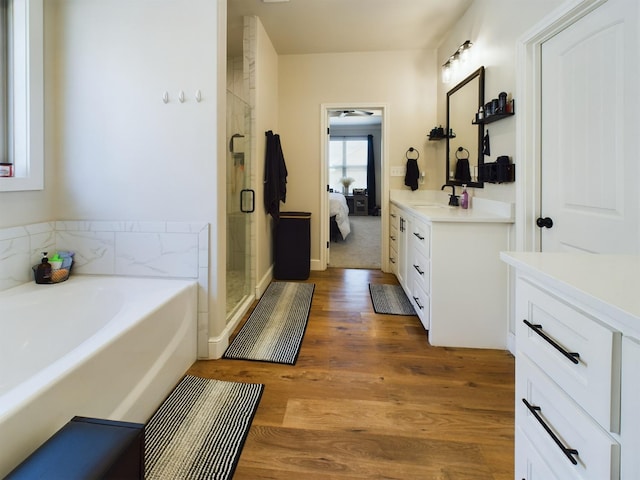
411, 149
460, 149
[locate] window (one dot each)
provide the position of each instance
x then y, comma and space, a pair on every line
348, 158
22, 93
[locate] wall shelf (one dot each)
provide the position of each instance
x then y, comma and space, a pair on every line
497, 116
493, 118
440, 137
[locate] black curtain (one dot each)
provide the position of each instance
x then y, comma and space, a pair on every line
371, 178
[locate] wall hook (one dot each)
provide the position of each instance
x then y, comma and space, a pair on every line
181, 96
165, 97
198, 96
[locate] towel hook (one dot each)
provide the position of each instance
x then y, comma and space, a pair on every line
411, 149
460, 149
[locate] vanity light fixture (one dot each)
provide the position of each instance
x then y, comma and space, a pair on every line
459, 57
446, 71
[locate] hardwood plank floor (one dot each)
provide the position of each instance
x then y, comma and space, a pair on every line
370, 398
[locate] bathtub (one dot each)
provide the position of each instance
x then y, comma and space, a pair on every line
96, 346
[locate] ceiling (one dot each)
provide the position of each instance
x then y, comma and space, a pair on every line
334, 26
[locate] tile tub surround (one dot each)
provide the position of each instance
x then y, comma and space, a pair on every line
127, 248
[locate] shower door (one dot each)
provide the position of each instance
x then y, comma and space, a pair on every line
240, 202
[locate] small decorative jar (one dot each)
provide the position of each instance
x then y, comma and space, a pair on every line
6, 169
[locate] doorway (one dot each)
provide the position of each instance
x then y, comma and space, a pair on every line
354, 175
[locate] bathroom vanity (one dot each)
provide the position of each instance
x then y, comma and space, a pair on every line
447, 261
577, 365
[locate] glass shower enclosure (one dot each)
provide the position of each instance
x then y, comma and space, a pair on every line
240, 203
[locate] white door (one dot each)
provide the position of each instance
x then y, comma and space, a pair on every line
591, 134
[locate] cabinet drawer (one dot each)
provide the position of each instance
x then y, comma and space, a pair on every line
421, 303
393, 260
420, 237
550, 332
421, 270
529, 463
553, 422
393, 237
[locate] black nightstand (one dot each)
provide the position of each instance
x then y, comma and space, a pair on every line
360, 205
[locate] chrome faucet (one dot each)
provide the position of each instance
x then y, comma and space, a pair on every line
453, 198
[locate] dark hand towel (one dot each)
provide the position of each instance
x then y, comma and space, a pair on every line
412, 175
463, 173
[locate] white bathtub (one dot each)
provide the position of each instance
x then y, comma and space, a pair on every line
106, 347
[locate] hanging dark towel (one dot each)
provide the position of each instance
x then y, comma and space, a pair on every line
275, 176
486, 147
413, 174
463, 173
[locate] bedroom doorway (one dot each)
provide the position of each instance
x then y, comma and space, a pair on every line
355, 179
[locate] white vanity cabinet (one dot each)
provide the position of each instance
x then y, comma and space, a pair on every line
577, 366
394, 227
453, 274
630, 413
419, 269
404, 225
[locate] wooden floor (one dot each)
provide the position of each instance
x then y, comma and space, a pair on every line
369, 398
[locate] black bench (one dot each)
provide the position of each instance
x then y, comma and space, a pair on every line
87, 448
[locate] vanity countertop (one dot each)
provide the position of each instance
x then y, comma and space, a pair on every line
606, 283
433, 206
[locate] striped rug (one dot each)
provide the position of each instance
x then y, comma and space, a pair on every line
390, 299
274, 330
199, 430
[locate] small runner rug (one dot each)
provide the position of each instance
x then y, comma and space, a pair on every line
199, 430
274, 330
390, 299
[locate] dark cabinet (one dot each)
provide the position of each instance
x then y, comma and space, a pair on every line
88, 448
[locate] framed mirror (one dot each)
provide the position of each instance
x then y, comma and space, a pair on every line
464, 139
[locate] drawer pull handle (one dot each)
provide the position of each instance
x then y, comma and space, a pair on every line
393, 215
417, 267
421, 307
392, 238
569, 452
420, 237
392, 260
538, 329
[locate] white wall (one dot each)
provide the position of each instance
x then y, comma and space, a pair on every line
403, 80
120, 151
494, 27
264, 91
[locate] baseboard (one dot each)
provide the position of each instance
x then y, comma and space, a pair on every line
218, 345
316, 265
263, 283
511, 343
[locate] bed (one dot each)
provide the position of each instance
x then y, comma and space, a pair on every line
339, 216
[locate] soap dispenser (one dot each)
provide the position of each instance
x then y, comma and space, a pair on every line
464, 200
43, 271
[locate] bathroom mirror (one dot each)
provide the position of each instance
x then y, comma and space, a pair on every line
464, 143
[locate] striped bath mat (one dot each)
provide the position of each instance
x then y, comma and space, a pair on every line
274, 330
199, 430
390, 299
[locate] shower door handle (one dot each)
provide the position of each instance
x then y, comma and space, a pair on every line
247, 197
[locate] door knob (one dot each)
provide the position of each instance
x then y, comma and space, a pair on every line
545, 222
